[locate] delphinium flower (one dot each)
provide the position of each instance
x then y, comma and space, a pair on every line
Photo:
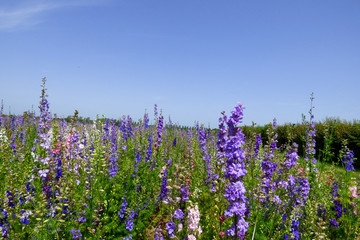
338, 208
45, 115
163, 190
334, 223
4, 224
311, 143
106, 131
59, 171
113, 169
43, 173
321, 212
221, 139
353, 192
158, 235
129, 223
1, 113
25, 217
136, 164
146, 121
184, 193
149, 150
155, 112
235, 170
129, 127
170, 228
291, 156
76, 234
347, 157
295, 229
257, 146
3, 137
159, 132
122, 210
126, 127
298, 191
128, 238
81, 219
174, 142
193, 219
204, 152
30, 188
178, 214
268, 164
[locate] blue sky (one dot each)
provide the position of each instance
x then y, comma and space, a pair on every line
193, 58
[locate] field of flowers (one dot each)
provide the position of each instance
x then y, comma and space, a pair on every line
132, 180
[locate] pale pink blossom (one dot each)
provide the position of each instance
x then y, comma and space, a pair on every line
353, 192
193, 220
191, 237
180, 227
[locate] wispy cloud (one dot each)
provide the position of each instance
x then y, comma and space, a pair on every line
25, 14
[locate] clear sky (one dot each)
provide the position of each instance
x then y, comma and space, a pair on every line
193, 58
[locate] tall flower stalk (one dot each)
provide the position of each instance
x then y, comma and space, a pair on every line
235, 170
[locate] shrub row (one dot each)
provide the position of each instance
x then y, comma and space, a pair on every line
330, 135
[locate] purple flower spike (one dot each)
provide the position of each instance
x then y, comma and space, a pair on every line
230, 147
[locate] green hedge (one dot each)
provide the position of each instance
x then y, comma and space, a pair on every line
336, 129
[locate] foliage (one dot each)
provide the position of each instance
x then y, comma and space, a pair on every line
120, 179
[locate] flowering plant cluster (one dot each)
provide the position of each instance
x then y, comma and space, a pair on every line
123, 179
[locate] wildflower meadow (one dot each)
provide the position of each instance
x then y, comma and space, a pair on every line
152, 179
